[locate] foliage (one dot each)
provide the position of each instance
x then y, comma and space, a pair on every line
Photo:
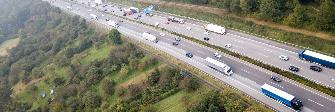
115, 37
211, 102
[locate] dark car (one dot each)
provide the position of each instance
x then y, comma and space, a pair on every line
105, 10
175, 43
276, 78
190, 55
294, 69
316, 68
206, 38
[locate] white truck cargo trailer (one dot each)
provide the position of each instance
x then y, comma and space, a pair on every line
113, 23
215, 28
219, 66
149, 37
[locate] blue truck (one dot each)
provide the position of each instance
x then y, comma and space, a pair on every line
282, 97
317, 58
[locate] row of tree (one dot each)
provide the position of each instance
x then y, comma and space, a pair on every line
311, 14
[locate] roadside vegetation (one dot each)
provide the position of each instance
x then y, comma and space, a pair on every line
259, 63
61, 63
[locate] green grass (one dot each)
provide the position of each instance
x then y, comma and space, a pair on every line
94, 54
174, 103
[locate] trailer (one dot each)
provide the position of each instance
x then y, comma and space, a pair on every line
219, 66
317, 58
177, 20
93, 16
282, 96
113, 24
149, 37
216, 28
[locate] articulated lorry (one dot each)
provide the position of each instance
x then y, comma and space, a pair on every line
113, 24
215, 28
219, 66
282, 97
177, 20
317, 58
149, 37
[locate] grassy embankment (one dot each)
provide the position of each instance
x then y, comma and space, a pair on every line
8, 44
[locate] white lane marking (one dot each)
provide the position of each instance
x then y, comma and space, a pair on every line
277, 85
246, 71
268, 50
316, 102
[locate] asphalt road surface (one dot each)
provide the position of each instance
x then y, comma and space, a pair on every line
247, 78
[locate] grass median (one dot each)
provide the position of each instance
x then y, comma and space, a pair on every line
284, 73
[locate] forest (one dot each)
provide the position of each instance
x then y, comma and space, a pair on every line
63, 63
315, 15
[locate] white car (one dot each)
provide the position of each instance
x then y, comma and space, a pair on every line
188, 28
102, 15
89, 10
227, 45
217, 55
283, 57
206, 33
157, 23
162, 34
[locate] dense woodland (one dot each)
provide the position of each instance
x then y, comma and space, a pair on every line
54, 65
317, 15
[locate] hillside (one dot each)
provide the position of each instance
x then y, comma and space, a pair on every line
64, 63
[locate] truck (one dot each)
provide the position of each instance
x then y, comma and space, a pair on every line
281, 96
215, 28
219, 66
113, 24
177, 20
93, 16
149, 37
317, 58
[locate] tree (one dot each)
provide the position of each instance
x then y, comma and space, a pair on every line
108, 86
91, 100
298, 17
190, 83
154, 77
273, 10
248, 6
235, 6
115, 37
326, 16
58, 81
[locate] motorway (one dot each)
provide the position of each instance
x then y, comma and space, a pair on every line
254, 47
247, 78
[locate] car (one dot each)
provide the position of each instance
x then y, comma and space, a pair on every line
188, 28
315, 68
206, 33
107, 19
175, 43
177, 39
275, 78
227, 45
89, 10
136, 17
190, 55
124, 14
139, 15
283, 57
105, 10
167, 23
206, 38
102, 15
217, 55
294, 69
162, 34
156, 24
